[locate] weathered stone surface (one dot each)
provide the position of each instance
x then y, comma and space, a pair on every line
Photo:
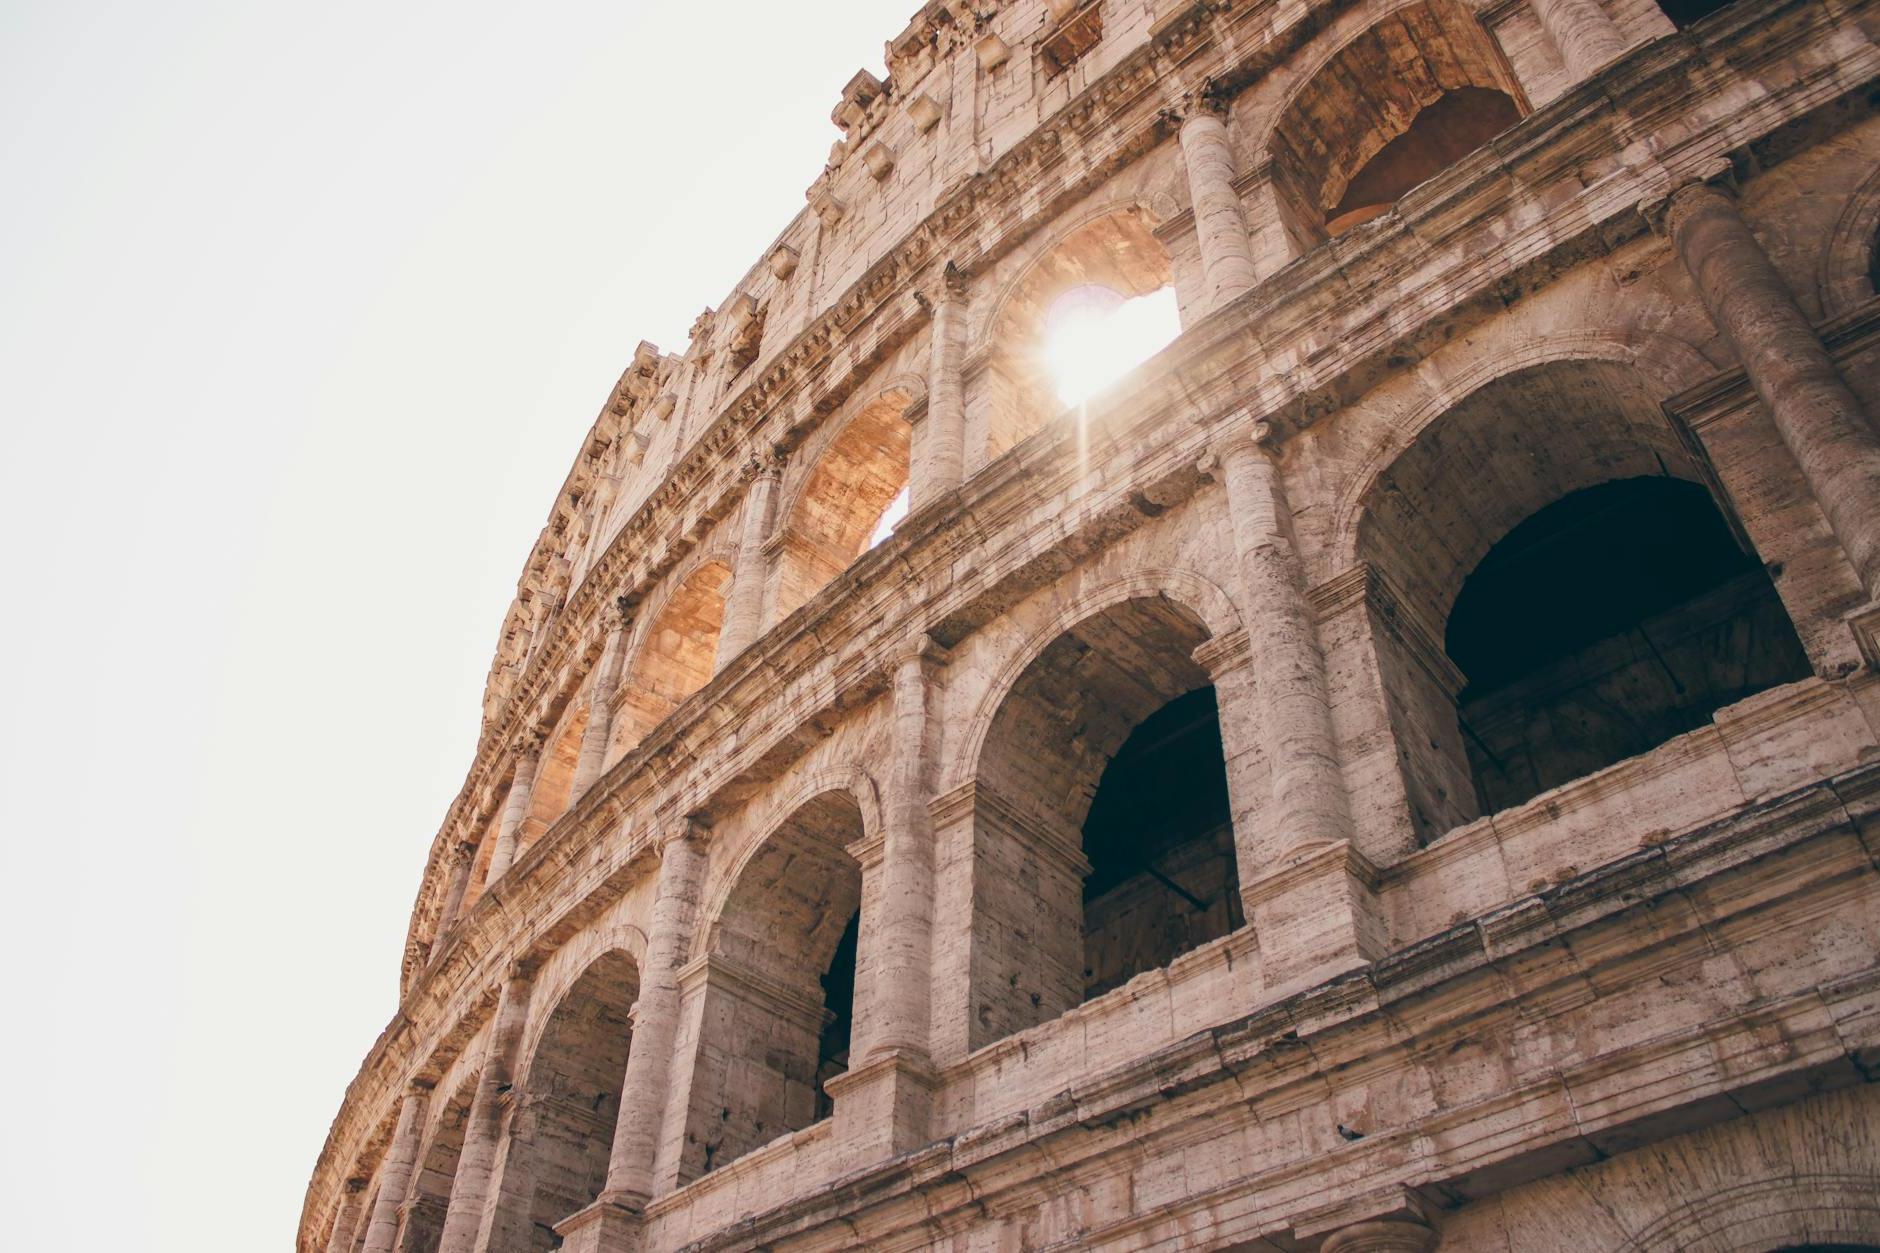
1117, 854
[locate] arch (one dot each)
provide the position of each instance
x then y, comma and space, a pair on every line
777, 972
1849, 261
422, 1226
851, 780
1828, 1211
1077, 885
1193, 592
1369, 112
569, 1103
1530, 473
675, 651
830, 517
1113, 247
1665, 363
550, 794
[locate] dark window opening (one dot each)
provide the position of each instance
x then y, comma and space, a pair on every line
1440, 135
1610, 621
1160, 841
838, 985
1685, 13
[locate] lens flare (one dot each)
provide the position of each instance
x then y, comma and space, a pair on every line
1093, 337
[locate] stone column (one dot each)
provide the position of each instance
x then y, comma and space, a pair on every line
1380, 1237
1226, 250
902, 958
1306, 890
942, 461
1820, 420
600, 720
644, 1093
744, 610
528, 757
462, 857
1582, 32
395, 1175
346, 1222
1309, 799
476, 1161
883, 1102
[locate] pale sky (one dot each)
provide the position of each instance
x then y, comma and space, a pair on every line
304, 311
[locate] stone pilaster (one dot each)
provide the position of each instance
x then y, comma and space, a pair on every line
395, 1175
528, 758
1819, 419
1295, 711
882, 1102
645, 1092
600, 720
1227, 268
1582, 32
476, 1161
744, 610
463, 857
346, 1222
1304, 870
941, 435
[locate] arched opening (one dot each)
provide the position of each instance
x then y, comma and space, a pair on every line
564, 1123
423, 1225
554, 777
1103, 840
1441, 134
1568, 592
675, 656
1399, 104
1684, 13
778, 988
1605, 624
845, 505
1095, 306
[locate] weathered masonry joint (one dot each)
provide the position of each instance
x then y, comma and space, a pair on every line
1259, 630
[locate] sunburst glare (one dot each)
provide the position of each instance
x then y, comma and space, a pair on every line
1093, 336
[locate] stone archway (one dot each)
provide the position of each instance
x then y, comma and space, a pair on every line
555, 1160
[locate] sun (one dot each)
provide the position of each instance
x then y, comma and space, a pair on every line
1094, 336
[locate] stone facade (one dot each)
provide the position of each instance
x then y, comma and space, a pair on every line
1399, 770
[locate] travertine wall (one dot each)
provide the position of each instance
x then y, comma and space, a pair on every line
1640, 1010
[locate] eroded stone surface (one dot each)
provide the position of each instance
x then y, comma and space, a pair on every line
761, 919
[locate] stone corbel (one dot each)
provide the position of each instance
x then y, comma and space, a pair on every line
783, 261
746, 319
829, 210
991, 51
924, 111
880, 161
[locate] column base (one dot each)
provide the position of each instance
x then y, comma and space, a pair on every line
1316, 915
609, 1225
883, 1108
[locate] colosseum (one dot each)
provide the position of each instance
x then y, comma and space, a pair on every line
1388, 761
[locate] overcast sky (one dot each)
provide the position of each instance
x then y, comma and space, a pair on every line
304, 312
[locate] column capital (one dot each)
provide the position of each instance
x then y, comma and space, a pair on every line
1380, 1237
422, 1085
691, 829
522, 970
619, 615
923, 650
950, 283
355, 1184
767, 464
1205, 99
529, 743
463, 850
1660, 212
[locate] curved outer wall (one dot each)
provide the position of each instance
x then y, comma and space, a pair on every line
1637, 1008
